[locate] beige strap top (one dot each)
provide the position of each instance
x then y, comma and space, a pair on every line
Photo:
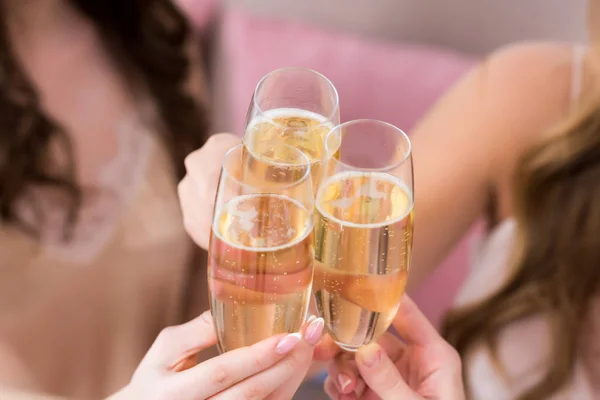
75, 321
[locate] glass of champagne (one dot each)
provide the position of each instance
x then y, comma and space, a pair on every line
260, 263
297, 106
363, 230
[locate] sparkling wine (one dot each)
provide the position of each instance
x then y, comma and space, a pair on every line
260, 268
363, 241
297, 128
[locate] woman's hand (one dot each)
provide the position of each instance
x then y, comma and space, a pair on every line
271, 369
198, 188
422, 366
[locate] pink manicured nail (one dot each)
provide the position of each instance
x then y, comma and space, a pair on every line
344, 380
314, 331
369, 355
286, 344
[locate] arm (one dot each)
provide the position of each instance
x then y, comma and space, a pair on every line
466, 149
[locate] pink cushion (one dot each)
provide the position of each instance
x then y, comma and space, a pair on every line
391, 82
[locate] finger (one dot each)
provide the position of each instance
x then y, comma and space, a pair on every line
231, 368
196, 214
392, 346
185, 363
326, 350
414, 327
344, 373
281, 380
331, 389
261, 385
360, 388
208, 160
177, 343
381, 375
221, 372
214, 149
198, 188
311, 335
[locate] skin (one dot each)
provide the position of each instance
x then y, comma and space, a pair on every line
469, 169
270, 369
68, 86
420, 366
465, 151
449, 174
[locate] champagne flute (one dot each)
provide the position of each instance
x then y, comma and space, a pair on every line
297, 106
363, 230
260, 263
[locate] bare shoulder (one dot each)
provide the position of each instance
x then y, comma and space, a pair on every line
530, 83
467, 146
523, 90
528, 59
500, 110
527, 90
512, 97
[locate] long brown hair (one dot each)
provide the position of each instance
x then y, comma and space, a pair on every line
148, 40
557, 257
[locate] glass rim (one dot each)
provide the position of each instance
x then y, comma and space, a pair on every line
407, 155
262, 80
305, 176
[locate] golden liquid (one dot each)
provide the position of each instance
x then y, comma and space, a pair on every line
260, 269
303, 130
363, 241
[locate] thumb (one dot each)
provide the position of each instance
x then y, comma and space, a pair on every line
413, 326
176, 346
381, 375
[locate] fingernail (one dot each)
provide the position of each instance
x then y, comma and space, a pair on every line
314, 331
286, 344
344, 380
311, 318
369, 355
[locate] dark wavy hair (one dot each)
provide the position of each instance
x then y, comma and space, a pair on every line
148, 40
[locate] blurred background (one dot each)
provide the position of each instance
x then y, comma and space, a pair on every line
103, 77
389, 59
